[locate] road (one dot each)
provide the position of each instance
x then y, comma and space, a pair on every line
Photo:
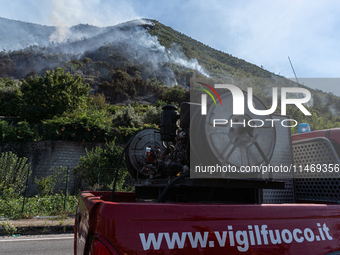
37, 245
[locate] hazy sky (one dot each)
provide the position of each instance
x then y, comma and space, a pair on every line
262, 32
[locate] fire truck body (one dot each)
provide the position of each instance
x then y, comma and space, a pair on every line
294, 213
131, 227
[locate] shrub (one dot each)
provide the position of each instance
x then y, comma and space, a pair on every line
153, 115
22, 132
97, 168
9, 228
123, 134
175, 94
13, 174
45, 185
37, 205
97, 102
92, 125
160, 103
127, 117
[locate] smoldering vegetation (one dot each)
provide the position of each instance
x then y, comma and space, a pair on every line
132, 41
124, 44
128, 57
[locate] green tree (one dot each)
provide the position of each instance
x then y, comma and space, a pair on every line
9, 98
51, 95
97, 168
176, 94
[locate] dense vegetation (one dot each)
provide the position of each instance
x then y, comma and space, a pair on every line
14, 172
113, 71
218, 64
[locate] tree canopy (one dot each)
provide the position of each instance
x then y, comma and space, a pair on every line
51, 95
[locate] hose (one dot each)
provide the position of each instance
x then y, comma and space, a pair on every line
119, 162
160, 198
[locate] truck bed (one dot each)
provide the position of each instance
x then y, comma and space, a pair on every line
129, 226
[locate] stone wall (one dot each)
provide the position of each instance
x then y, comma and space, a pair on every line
44, 156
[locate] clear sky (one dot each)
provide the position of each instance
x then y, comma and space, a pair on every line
262, 32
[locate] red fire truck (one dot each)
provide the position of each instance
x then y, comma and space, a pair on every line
291, 208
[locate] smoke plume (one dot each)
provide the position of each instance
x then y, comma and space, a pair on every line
132, 40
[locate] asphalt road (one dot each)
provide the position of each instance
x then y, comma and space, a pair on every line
37, 245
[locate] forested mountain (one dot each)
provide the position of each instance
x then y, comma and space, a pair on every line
137, 42
136, 60
17, 35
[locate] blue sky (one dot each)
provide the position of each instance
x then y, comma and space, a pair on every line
262, 32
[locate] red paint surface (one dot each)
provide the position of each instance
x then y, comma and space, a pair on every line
121, 224
334, 134
118, 225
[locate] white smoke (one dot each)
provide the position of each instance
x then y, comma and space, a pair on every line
67, 13
176, 56
61, 34
61, 16
148, 48
132, 40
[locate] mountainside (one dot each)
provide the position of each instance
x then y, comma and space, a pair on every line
17, 35
133, 59
139, 41
218, 63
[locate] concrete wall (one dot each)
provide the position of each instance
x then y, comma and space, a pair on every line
45, 155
